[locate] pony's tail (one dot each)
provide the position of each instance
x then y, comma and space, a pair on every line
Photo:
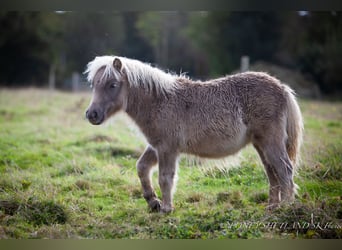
294, 127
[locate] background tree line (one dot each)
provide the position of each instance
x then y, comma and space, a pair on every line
203, 44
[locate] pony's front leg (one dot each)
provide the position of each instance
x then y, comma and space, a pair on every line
144, 166
167, 173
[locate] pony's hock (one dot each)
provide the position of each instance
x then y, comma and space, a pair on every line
211, 119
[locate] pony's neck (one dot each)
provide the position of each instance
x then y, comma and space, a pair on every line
139, 103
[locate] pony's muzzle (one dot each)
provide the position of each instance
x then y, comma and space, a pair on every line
94, 117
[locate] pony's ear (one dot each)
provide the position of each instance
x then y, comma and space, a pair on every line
117, 64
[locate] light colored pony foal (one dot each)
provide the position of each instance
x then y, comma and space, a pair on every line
211, 119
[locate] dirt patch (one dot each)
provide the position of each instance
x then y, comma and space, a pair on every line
36, 212
9, 207
6, 115
259, 197
95, 138
119, 151
234, 198
124, 152
100, 138
195, 197
313, 221
82, 184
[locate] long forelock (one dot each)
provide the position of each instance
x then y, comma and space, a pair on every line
99, 62
139, 74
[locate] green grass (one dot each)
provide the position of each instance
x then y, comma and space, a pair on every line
61, 177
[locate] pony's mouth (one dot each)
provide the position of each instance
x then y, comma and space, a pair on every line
97, 122
94, 117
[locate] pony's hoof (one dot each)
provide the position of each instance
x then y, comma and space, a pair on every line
271, 207
155, 205
166, 210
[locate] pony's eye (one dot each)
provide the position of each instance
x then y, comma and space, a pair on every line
113, 85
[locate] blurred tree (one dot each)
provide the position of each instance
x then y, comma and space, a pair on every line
204, 44
156, 36
226, 36
166, 32
314, 42
134, 45
90, 34
28, 45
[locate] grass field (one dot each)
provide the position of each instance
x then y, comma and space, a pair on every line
61, 177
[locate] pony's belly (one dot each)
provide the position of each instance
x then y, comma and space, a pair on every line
217, 148
214, 152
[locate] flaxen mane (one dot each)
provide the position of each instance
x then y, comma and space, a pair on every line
138, 73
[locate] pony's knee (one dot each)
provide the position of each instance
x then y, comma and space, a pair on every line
146, 162
142, 169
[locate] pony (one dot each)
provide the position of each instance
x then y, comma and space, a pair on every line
211, 119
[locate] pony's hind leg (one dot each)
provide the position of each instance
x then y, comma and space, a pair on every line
287, 191
144, 166
274, 190
277, 161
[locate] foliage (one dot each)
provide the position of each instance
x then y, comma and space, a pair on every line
88, 34
26, 46
134, 45
203, 44
314, 44
230, 35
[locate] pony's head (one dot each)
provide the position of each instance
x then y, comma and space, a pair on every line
113, 76
109, 84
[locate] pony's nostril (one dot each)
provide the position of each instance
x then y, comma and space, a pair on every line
91, 115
